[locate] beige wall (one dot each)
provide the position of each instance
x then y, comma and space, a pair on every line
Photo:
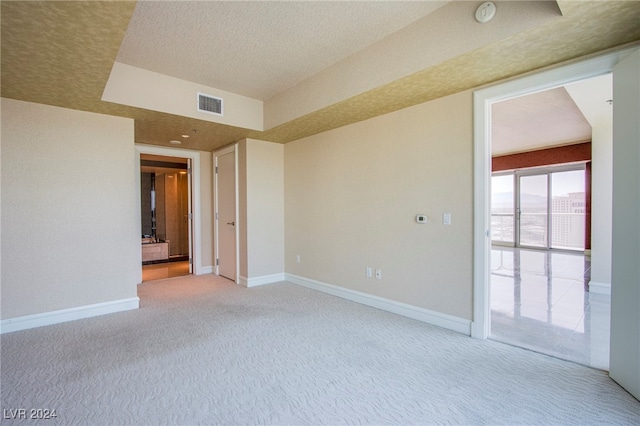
265, 208
261, 209
352, 194
137, 87
70, 218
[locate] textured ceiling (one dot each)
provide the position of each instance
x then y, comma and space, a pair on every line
61, 53
258, 49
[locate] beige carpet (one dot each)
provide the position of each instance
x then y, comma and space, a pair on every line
202, 350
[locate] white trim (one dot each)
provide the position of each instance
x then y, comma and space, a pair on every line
265, 279
206, 270
599, 288
55, 317
482, 100
449, 322
195, 191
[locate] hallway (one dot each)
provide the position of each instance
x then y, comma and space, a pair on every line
158, 271
539, 302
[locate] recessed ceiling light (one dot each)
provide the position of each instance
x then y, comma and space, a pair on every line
174, 142
185, 136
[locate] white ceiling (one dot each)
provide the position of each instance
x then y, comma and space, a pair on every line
536, 121
556, 117
243, 52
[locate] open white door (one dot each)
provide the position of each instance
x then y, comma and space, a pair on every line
624, 362
226, 219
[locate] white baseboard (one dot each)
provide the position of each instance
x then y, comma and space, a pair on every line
203, 270
55, 317
265, 279
599, 288
449, 322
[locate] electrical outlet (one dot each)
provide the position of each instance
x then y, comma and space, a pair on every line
297, 258
378, 274
369, 272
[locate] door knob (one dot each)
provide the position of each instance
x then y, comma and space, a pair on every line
231, 223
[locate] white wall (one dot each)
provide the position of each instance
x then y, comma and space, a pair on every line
601, 202
589, 95
352, 194
70, 218
625, 285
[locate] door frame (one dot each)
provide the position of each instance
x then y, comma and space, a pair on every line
196, 222
224, 151
482, 101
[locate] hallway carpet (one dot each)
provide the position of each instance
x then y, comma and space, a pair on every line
202, 350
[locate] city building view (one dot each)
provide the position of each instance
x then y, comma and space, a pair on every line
556, 221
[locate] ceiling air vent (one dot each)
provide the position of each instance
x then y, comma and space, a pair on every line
210, 104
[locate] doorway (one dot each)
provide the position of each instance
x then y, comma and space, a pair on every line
539, 288
624, 64
539, 285
166, 213
189, 240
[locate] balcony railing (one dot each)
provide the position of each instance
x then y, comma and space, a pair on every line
568, 229
502, 227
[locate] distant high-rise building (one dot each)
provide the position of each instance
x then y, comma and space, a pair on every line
568, 220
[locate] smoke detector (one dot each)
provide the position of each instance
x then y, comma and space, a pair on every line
485, 12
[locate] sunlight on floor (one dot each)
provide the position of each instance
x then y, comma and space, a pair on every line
539, 302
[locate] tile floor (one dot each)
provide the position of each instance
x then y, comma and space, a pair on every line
539, 302
159, 271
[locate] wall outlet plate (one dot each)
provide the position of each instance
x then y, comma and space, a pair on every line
421, 218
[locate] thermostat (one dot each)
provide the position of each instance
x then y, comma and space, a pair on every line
421, 218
